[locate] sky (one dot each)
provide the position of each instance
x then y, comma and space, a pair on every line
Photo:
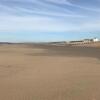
49, 20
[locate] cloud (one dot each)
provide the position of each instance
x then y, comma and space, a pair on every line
41, 24
59, 1
35, 24
48, 16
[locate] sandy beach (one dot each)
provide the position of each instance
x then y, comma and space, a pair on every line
44, 72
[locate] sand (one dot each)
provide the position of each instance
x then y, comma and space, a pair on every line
43, 72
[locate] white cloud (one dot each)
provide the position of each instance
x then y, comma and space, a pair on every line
59, 1
46, 17
41, 24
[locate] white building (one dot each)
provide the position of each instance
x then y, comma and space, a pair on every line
95, 40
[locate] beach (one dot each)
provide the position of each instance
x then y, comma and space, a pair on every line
48, 72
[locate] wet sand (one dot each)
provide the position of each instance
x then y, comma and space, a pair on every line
44, 72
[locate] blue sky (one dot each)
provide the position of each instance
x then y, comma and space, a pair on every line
49, 20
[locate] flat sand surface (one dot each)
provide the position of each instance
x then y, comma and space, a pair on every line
43, 72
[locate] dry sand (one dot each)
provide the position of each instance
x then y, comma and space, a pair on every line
42, 72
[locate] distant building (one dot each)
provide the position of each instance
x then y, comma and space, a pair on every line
91, 40
95, 40
84, 41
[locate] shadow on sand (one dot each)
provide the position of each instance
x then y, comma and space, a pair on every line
67, 51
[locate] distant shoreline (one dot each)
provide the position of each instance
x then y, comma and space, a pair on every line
90, 44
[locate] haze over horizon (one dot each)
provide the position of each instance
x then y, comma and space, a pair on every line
49, 20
